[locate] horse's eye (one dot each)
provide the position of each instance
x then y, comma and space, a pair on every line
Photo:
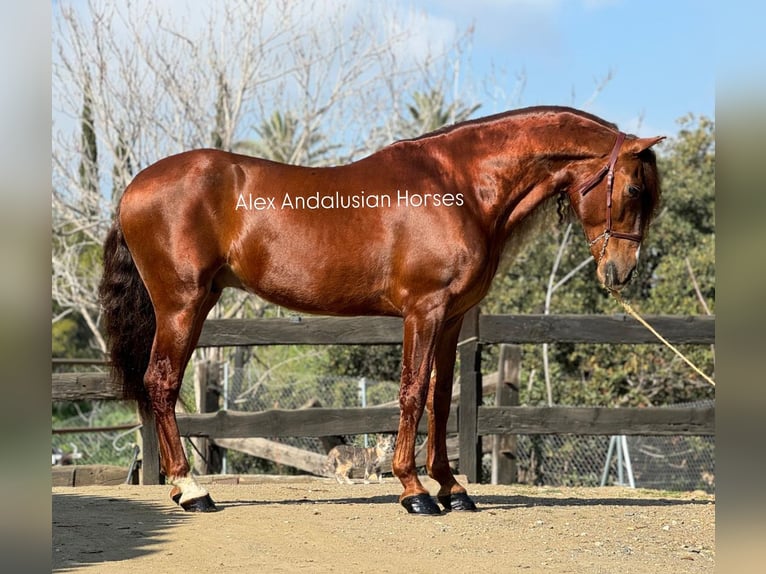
634, 191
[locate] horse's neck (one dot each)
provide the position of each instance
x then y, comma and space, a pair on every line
517, 167
518, 170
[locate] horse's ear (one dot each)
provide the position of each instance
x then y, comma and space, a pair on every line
636, 146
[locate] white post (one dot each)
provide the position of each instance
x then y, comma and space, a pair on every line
224, 465
363, 397
620, 444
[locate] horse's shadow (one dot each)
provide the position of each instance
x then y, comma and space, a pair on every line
483, 502
95, 529
495, 502
358, 500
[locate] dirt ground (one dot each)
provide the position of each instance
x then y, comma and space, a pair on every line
318, 525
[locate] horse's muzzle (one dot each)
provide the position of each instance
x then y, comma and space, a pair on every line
613, 278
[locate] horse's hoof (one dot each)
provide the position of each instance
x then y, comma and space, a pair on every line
421, 504
175, 495
458, 501
203, 504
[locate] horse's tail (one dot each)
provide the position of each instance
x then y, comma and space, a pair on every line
128, 316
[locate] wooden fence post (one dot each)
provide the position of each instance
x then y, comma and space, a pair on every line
206, 394
150, 448
504, 447
470, 397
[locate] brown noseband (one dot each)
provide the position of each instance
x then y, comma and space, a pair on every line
608, 169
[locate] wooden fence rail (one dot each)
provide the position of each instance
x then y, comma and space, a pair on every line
320, 422
468, 418
84, 387
490, 329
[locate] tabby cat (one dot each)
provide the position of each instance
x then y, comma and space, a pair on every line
342, 459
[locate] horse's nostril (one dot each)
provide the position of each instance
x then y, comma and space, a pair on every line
610, 274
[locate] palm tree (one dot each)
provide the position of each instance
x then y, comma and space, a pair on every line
281, 139
428, 113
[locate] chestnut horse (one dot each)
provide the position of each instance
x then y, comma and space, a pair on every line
415, 230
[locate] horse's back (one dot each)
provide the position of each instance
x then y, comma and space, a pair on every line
346, 240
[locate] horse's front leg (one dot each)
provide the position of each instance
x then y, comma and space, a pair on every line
452, 495
420, 335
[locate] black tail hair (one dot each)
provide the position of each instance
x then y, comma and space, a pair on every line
128, 315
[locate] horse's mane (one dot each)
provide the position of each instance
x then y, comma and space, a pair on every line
510, 114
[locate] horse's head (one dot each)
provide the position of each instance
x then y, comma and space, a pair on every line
615, 206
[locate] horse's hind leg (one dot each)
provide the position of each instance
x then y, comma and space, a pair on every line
451, 495
178, 329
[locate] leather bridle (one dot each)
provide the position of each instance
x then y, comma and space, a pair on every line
608, 169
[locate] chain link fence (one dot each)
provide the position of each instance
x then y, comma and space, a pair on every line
97, 432
665, 462
670, 463
678, 463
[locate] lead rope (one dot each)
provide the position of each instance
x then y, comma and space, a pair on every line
667, 343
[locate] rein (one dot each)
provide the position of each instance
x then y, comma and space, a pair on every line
608, 169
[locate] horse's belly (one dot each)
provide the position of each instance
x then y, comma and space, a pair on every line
319, 287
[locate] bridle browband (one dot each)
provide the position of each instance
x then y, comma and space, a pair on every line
608, 169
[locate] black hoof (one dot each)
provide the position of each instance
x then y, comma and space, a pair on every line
421, 504
458, 501
204, 504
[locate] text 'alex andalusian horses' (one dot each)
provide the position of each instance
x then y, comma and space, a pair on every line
416, 230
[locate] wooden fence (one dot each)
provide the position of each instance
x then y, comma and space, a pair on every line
468, 418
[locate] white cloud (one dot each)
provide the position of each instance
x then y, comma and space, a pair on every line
422, 35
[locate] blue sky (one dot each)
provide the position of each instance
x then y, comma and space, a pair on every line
661, 54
